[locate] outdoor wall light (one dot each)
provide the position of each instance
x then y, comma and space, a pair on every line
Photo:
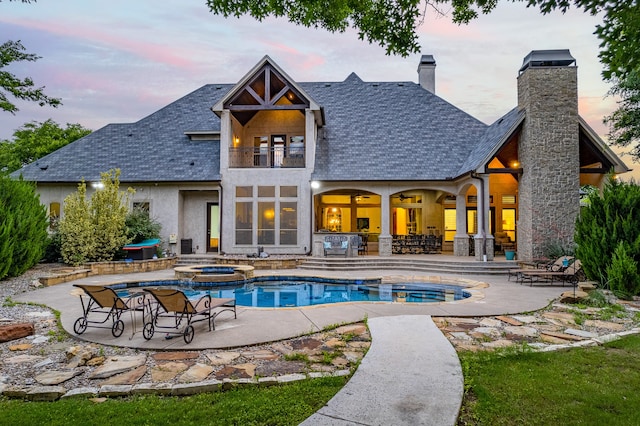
97, 185
315, 184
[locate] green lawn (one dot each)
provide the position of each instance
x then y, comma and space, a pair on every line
277, 405
581, 386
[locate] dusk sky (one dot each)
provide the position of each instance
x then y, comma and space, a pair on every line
118, 61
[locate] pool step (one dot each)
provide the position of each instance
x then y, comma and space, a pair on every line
471, 267
446, 264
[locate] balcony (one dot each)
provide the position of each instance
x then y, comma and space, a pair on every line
266, 158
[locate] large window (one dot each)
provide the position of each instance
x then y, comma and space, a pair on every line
276, 217
244, 222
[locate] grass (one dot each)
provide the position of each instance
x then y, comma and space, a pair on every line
277, 405
587, 386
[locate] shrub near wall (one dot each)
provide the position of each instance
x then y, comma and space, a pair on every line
94, 230
611, 219
23, 227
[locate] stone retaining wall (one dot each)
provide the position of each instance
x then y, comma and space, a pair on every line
262, 263
108, 268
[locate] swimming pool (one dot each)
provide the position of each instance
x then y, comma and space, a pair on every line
288, 292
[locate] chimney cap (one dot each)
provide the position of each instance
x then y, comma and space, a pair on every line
548, 58
427, 60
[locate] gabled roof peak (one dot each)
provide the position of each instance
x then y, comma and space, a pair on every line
353, 78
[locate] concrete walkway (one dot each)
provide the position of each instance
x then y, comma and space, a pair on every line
410, 376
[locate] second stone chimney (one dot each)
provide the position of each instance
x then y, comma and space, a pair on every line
427, 73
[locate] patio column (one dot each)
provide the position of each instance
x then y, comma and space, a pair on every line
385, 239
483, 239
461, 239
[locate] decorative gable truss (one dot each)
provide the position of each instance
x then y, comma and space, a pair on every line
271, 120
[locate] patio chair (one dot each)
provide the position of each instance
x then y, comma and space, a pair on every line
570, 274
336, 245
102, 300
174, 313
363, 244
558, 265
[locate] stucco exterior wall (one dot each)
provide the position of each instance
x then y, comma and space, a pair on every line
166, 205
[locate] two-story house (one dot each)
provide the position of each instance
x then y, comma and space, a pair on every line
274, 163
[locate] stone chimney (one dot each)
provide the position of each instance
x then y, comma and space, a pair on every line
427, 73
548, 151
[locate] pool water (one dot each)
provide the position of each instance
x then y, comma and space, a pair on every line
286, 292
291, 294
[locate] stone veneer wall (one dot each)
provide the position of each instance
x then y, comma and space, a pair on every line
265, 263
548, 151
108, 268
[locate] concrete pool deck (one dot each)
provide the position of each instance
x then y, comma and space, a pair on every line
411, 375
263, 325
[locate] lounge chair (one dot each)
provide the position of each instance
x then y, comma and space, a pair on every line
175, 313
556, 266
105, 301
570, 274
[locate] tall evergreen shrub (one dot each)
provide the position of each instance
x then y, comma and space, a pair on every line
608, 219
622, 274
23, 227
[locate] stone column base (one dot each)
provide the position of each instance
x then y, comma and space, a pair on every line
488, 248
461, 245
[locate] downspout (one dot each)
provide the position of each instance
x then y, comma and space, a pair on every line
313, 221
220, 216
483, 232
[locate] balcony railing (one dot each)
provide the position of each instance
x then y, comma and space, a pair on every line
268, 158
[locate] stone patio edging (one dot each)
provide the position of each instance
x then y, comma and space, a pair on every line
53, 393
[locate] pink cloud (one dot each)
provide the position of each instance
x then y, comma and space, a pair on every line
150, 51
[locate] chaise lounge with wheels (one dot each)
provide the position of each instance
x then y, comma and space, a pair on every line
99, 300
558, 265
570, 274
174, 313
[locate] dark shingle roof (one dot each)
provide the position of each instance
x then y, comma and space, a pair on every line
493, 136
390, 131
374, 131
154, 149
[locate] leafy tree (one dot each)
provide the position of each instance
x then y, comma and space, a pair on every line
34, 140
609, 219
23, 227
94, 229
624, 122
23, 89
391, 23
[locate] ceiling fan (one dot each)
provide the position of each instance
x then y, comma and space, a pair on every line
403, 197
